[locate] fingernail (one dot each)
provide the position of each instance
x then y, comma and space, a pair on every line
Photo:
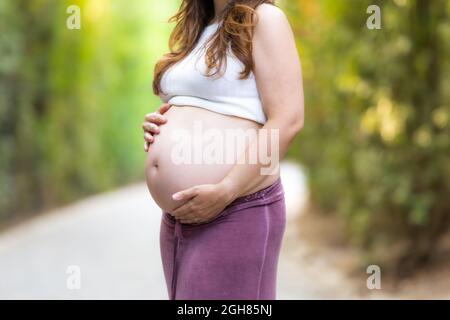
176, 196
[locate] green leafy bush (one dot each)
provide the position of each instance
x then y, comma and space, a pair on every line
72, 101
376, 140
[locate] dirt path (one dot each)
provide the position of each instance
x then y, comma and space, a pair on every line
113, 239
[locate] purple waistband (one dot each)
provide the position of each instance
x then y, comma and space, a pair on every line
265, 196
270, 194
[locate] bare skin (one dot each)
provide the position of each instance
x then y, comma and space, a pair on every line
166, 175
279, 82
151, 124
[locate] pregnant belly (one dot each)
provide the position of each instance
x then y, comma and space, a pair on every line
194, 147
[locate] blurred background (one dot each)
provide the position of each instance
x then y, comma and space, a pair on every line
367, 180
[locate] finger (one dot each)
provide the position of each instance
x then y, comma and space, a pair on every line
150, 127
148, 137
188, 214
163, 108
191, 221
146, 145
155, 118
184, 212
185, 194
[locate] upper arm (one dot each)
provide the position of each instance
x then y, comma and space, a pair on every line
277, 65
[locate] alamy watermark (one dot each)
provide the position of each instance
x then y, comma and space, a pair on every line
73, 21
73, 281
374, 20
374, 280
228, 146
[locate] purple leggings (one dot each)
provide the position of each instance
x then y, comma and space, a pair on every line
235, 256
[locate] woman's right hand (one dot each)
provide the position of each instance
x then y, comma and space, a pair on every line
151, 124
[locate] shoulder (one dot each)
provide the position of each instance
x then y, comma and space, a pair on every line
271, 23
270, 16
269, 10
272, 26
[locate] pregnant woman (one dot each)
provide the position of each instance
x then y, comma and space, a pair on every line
233, 96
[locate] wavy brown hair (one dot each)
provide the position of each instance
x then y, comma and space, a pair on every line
237, 19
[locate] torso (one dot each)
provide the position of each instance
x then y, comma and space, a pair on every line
225, 105
165, 175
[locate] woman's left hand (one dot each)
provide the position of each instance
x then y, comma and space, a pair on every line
205, 202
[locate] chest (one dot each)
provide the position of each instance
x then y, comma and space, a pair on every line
189, 76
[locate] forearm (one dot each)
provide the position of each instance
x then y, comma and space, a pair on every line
270, 146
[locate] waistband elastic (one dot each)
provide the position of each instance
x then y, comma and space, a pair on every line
270, 194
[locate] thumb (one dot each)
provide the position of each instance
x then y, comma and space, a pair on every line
163, 109
185, 194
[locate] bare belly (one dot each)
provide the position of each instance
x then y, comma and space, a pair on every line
196, 146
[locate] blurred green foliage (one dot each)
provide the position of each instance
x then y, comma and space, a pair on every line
376, 137
72, 101
376, 141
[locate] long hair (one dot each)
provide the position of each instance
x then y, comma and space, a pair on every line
236, 31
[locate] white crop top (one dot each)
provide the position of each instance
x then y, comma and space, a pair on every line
185, 84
